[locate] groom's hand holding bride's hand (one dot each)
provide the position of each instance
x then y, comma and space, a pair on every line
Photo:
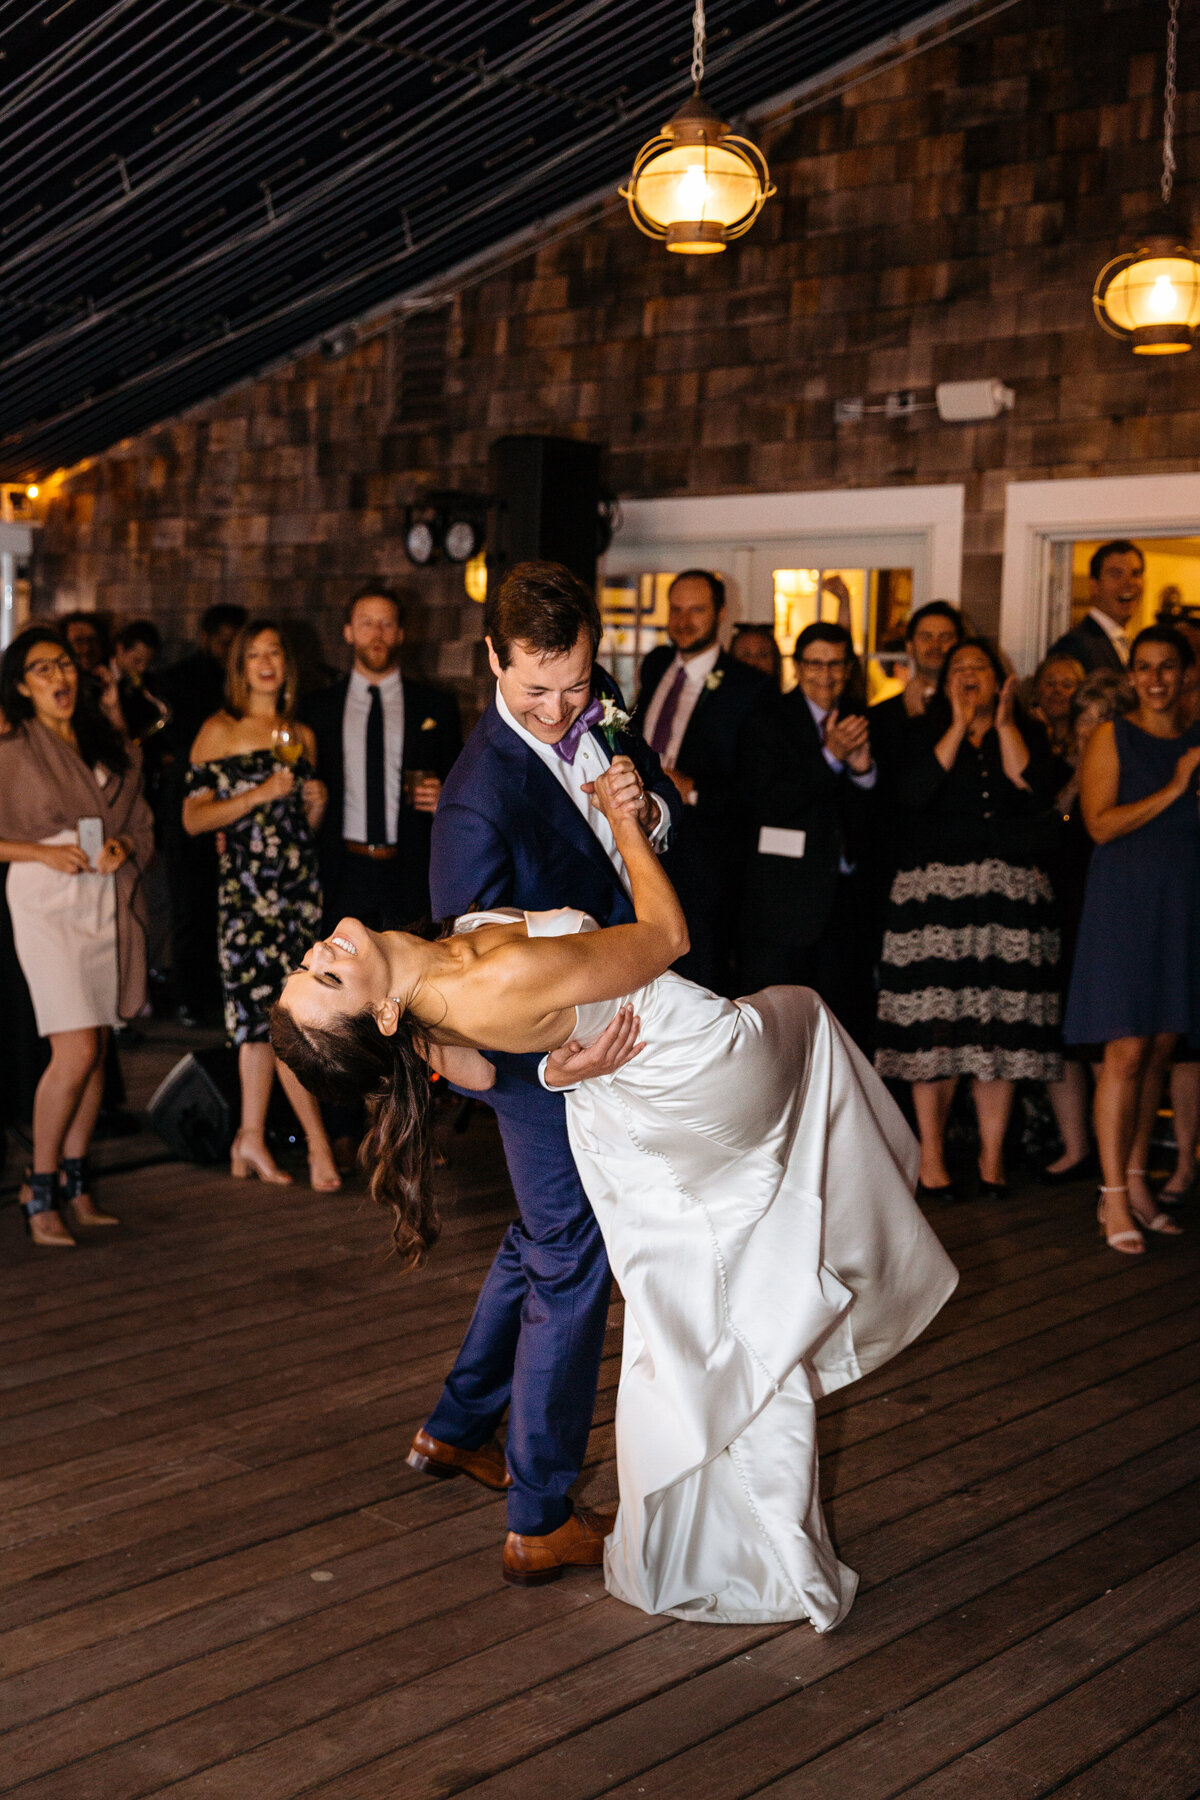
617, 1044
619, 793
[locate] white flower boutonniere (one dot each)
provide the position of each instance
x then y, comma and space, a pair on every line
714, 681
612, 720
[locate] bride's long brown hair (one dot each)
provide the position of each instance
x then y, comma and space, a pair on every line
352, 1060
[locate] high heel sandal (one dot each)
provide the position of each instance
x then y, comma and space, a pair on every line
75, 1187
42, 1201
1117, 1240
245, 1163
328, 1186
1158, 1221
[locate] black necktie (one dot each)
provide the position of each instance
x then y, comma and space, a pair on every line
376, 782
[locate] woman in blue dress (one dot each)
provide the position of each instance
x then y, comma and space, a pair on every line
1135, 986
269, 900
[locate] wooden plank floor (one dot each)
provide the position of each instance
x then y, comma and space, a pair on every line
221, 1580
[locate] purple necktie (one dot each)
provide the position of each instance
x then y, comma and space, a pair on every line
661, 735
568, 743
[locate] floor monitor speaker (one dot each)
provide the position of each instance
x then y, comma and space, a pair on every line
545, 500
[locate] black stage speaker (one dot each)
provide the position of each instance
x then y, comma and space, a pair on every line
545, 499
195, 1109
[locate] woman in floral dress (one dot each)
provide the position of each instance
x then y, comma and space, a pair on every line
269, 898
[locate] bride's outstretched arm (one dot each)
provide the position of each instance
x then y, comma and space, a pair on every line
563, 972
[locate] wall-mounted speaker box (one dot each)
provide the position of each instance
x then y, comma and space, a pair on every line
545, 497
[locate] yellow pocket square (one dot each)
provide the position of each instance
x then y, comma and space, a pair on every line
428, 724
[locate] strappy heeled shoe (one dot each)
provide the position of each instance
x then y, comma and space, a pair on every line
75, 1191
331, 1183
1127, 1243
1159, 1220
44, 1224
246, 1163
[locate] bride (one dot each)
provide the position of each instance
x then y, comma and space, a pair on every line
752, 1178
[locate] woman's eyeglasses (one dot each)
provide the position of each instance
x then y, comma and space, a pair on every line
50, 665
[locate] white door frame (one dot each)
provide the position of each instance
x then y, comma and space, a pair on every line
16, 542
744, 521
1039, 514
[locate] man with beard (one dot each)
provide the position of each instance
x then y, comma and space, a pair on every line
693, 703
384, 747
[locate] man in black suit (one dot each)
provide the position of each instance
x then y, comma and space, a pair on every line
384, 747
693, 703
1116, 577
808, 789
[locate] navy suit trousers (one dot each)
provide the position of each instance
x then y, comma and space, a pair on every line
537, 1334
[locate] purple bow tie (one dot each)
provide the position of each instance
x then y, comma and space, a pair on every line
568, 743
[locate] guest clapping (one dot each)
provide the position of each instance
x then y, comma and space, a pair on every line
1100, 697
968, 975
77, 835
253, 780
1136, 982
807, 793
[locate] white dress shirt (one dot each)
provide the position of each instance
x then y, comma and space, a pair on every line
354, 753
1116, 634
591, 760
697, 670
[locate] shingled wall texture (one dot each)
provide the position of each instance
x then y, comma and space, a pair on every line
942, 219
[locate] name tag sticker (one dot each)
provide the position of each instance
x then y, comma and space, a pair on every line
773, 840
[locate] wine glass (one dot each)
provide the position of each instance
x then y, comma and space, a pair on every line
287, 743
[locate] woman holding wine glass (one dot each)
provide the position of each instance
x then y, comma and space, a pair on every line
253, 781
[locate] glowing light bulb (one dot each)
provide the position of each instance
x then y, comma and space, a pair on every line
1163, 298
32, 492
693, 191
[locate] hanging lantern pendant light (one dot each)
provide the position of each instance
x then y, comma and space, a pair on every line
697, 185
1151, 296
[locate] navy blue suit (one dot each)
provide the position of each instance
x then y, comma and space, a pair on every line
507, 834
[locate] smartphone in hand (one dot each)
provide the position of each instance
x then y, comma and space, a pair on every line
91, 841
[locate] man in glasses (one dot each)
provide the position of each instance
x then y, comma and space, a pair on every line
809, 785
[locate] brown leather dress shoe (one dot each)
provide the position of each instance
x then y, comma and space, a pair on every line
487, 1466
579, 1542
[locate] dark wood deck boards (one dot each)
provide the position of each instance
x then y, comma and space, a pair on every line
221, 1580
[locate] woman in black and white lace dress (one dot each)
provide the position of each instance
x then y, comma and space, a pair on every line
969, 971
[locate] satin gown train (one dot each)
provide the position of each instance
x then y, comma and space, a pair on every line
753, 1180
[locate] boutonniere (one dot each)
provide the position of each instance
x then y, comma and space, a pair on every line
714, 681
612, 720
428, 724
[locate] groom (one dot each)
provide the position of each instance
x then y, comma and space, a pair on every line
515, 827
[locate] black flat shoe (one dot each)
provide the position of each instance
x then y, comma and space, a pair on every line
993, 1190
1083, 1170
947, 1191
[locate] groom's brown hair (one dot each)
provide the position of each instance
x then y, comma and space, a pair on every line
543, 606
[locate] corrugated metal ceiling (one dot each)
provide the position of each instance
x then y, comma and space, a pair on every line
192, 189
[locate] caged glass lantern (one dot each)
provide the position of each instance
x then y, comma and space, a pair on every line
1150, 296
697, 185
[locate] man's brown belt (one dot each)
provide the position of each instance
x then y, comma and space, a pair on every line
376, 852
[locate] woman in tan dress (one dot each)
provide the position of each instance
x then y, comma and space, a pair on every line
76, 834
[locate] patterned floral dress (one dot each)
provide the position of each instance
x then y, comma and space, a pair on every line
269, 897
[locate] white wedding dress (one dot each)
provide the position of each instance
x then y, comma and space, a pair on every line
753, 1180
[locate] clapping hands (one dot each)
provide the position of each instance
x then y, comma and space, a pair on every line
849, 740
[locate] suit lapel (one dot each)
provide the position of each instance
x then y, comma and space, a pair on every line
549, 799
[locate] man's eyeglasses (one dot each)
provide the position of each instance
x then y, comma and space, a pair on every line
50, 665
835, 664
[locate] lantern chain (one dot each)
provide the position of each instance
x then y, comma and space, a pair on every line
698, 41
1168, 171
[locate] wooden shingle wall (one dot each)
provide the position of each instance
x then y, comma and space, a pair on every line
942, 219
